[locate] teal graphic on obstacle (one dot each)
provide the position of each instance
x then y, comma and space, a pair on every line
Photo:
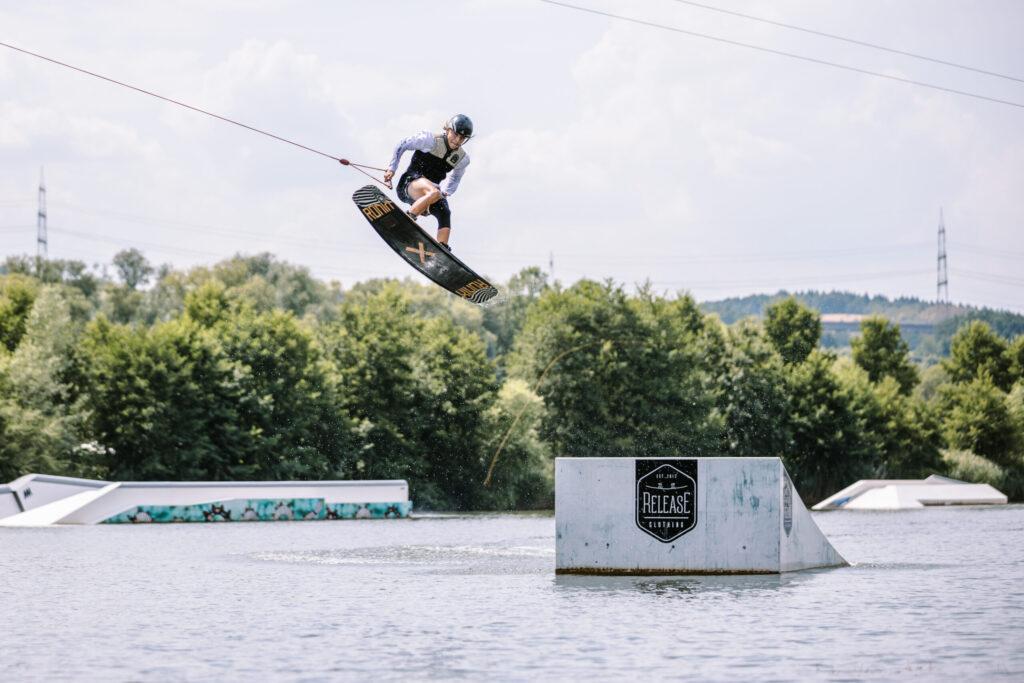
260, 510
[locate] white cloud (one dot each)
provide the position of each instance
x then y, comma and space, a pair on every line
87, 137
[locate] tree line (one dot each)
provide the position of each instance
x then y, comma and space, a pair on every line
253, 369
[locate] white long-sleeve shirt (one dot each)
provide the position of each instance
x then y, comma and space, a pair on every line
431, 143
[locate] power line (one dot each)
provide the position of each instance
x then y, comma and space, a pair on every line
204, 228
854, 41
990, 277
781, 281
743, 256
998, 253
165, 248
791, 55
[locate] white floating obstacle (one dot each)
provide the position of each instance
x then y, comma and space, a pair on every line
42, 500
683, 516
911, 494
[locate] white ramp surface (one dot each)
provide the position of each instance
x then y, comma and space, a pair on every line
683, 516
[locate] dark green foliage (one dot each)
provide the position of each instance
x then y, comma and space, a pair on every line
164, 402
251, 369
831, 443
505, 321
927, 326
420, 389
374, 347
793, 329
460, 387
74, 274
977, 418
977, 350
882, 352
620, 376
907, 431
523, 475
245, 397
17, 294
1004, 323
132, 268
901, 308
40, 419
1015, 354
267, 283
753, 395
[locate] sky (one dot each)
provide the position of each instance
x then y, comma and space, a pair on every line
603, 148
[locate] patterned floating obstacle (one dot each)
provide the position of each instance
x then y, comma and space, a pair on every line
683, 516
42, 500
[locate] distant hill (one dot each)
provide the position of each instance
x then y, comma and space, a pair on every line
938, 322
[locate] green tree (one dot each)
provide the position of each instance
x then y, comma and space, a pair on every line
268, 283
74, 274
428, 301
831, 444
235, 395
1015, 354
165, 402
132, 268
793, 329
41, 422
977, 418
912, 434
932, 379
420, 390
523, 476
458, 384
506, 319
620, 376
882, 352
374, 344
17, 294
290, 402
121, 303
906, 430
977, 350
753, 395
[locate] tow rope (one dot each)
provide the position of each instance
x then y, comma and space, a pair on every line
344, 162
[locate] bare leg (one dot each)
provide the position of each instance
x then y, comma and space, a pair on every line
424, 193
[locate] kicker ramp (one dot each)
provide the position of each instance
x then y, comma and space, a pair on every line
683, 516
42, 500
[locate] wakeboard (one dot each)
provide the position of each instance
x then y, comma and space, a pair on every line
420, 250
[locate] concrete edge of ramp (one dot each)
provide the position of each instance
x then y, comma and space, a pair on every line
41, 500
58, 510
683, 516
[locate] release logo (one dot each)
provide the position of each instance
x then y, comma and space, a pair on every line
666, 497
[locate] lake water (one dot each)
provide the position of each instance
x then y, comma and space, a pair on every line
934, 594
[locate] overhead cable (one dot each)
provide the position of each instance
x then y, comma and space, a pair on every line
760, 48
853, 41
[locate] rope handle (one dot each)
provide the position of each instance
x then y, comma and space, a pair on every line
360, 167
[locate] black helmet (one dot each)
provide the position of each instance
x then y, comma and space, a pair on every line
461, 124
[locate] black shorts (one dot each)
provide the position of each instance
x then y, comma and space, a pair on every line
438, 209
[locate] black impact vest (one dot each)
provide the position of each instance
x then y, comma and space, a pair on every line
435, 164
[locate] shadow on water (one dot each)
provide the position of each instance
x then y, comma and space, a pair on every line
681, 586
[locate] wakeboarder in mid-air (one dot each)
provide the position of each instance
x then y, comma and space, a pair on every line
435, 155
